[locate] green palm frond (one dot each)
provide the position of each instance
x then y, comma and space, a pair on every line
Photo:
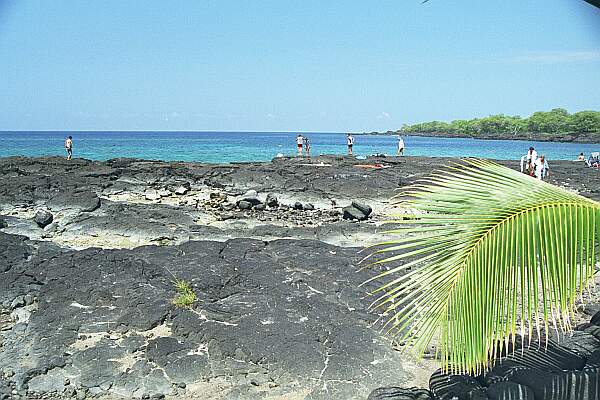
489, 254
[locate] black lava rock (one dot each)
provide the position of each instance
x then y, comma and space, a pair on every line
272, 200
554, 358
509, 390
596, 319
448, 387
476, 394
298, 206
593, 360
252, 200
3, 223
244, 205
582, 385
593, 330
396, 393
365, 209
91, 203
582, 343
353, 213
43, 218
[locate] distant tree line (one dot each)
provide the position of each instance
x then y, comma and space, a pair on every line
556, 121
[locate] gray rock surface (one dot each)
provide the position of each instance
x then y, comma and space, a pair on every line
269, 315
85, 304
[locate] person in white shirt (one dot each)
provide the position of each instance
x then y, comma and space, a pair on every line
69, 147
530, 159
350, 144
299, 141
541, 167
307, 146
400, 146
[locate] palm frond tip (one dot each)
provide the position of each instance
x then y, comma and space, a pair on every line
508, 255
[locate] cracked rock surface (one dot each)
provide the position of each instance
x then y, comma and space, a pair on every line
86, 301
272, 319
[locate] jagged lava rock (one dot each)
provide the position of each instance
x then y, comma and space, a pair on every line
509, 390
43, 218
595, 320
272, 200
273, 313
397, 393
244, 205
364, 208
449, 387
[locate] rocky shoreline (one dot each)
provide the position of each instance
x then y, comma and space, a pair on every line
523, 136
90, 251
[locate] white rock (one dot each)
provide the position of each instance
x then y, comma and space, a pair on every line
181, 190
152, 195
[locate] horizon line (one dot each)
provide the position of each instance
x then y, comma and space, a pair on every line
190, 131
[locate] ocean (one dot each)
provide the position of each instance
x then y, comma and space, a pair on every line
226, 147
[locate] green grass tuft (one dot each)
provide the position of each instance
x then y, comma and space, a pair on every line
186, 296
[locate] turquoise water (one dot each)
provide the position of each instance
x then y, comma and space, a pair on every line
224, 147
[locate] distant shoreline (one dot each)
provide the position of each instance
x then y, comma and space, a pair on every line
535, 137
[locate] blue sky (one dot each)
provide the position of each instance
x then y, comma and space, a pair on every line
271, 65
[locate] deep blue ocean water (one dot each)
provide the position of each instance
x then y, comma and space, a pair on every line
224, 147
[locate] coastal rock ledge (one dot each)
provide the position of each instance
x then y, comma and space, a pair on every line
280, 319
87, 284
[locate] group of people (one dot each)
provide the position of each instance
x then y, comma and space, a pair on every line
593, 161
533, 165
303, 144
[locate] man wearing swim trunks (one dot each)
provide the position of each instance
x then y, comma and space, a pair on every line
299, 141
69, 147
350, 144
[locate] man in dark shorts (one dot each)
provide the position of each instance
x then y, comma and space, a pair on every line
307, 146
69, 147
350, 144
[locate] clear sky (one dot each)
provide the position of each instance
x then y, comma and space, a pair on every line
271, 65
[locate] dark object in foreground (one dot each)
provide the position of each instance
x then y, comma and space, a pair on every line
560, 372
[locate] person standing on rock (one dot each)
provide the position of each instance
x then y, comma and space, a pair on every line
350, 143
69, 147
400, 146
307, 146
299, 141
530, 159
541, 167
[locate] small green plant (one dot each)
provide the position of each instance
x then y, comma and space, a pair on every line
185, 294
